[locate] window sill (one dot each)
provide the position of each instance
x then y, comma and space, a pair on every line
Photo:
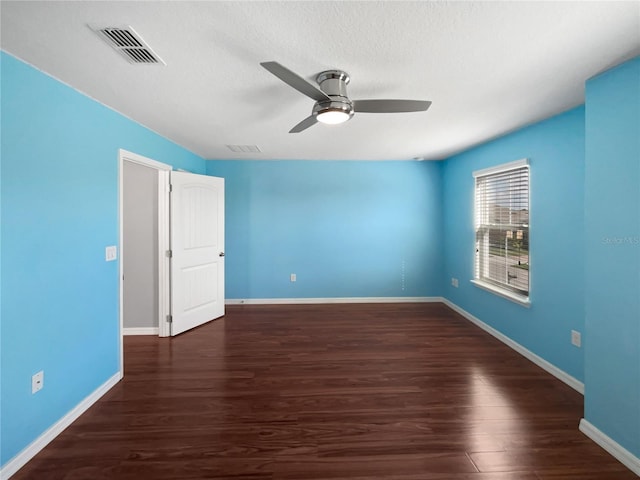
514, 297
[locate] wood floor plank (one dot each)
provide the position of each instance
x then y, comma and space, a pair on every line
295, 392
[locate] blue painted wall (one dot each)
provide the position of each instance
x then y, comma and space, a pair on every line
59, 212
555, 149
612, 252
347, 229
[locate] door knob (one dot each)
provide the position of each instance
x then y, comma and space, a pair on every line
221, 254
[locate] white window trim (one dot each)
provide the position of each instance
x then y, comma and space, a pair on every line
505, 167
514, 297
523, 300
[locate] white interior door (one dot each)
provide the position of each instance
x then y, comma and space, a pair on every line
197, 245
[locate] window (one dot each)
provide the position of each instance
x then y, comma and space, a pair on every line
502, 230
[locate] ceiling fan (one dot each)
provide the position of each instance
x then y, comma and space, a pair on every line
332, 103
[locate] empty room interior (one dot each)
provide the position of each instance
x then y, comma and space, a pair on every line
320, 240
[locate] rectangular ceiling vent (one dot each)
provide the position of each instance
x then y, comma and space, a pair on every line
244, 148
129, 44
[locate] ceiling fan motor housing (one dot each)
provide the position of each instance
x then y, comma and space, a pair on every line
334, 84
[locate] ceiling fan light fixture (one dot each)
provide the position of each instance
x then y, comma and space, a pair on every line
333, 105
333, 116
332, 112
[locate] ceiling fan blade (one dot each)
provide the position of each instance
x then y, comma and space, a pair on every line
296, 81
390, 106
304, 124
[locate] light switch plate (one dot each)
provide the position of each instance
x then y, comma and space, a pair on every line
111, 253
576, 338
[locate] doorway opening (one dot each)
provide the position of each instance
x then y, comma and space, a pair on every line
144, 243
171, 248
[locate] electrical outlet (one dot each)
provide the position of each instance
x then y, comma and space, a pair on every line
576, 338
293, 277
37, 381
454, 282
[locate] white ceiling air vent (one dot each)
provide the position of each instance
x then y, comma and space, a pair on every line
244, 148
129, 44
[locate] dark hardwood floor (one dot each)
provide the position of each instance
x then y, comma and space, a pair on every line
393, 391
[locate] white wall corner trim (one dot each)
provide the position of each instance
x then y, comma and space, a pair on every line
528, 354
620, 453
141, 331
31, 450
304, 301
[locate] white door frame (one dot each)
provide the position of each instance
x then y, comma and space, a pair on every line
164, 291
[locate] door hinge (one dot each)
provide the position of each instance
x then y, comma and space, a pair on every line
170, 188
169, 319
170, 253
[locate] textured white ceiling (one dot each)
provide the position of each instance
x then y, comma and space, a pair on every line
488, 67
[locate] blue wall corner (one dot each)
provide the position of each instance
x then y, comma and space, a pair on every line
59, 211
612, 252
555, 149
347, 229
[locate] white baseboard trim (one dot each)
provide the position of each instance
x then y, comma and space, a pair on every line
620, 453
31, 450
574, 383
304, 301
141, 331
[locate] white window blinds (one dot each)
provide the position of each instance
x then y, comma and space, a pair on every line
502, 227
